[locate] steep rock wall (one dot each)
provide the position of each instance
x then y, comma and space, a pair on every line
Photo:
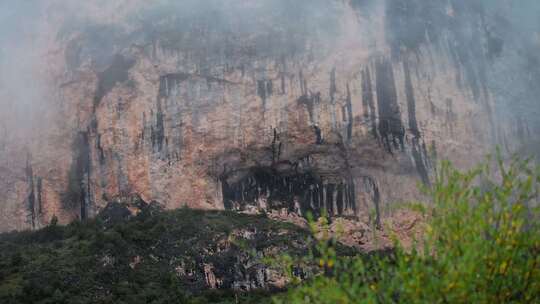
305, 105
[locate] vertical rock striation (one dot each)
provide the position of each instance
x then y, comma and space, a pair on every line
304, 106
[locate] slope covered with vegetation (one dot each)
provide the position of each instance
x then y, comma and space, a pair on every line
154, 257
481, 245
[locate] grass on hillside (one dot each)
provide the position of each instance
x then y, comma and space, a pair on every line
90, 262
482, 245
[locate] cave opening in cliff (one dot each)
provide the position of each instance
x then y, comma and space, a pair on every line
301, 193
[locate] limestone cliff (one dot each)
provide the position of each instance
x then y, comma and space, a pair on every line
267, 104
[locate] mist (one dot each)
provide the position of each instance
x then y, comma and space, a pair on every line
108, 27
142, 141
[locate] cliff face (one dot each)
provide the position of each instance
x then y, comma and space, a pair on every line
303, 105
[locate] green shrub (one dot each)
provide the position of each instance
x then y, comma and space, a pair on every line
481, 245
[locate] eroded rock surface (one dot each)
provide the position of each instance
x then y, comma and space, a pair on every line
303, 105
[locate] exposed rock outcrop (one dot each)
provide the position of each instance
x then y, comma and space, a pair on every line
304, 105
166, 254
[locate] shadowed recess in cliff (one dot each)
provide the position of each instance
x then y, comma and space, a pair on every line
411, 101
39, 187
368, 101
390, 127
264, 90
116, 73
157, 132
310, 101
31, 199
169, 88
349, 111
266, 188
418, 150
421, 159
170, 82
78, 193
